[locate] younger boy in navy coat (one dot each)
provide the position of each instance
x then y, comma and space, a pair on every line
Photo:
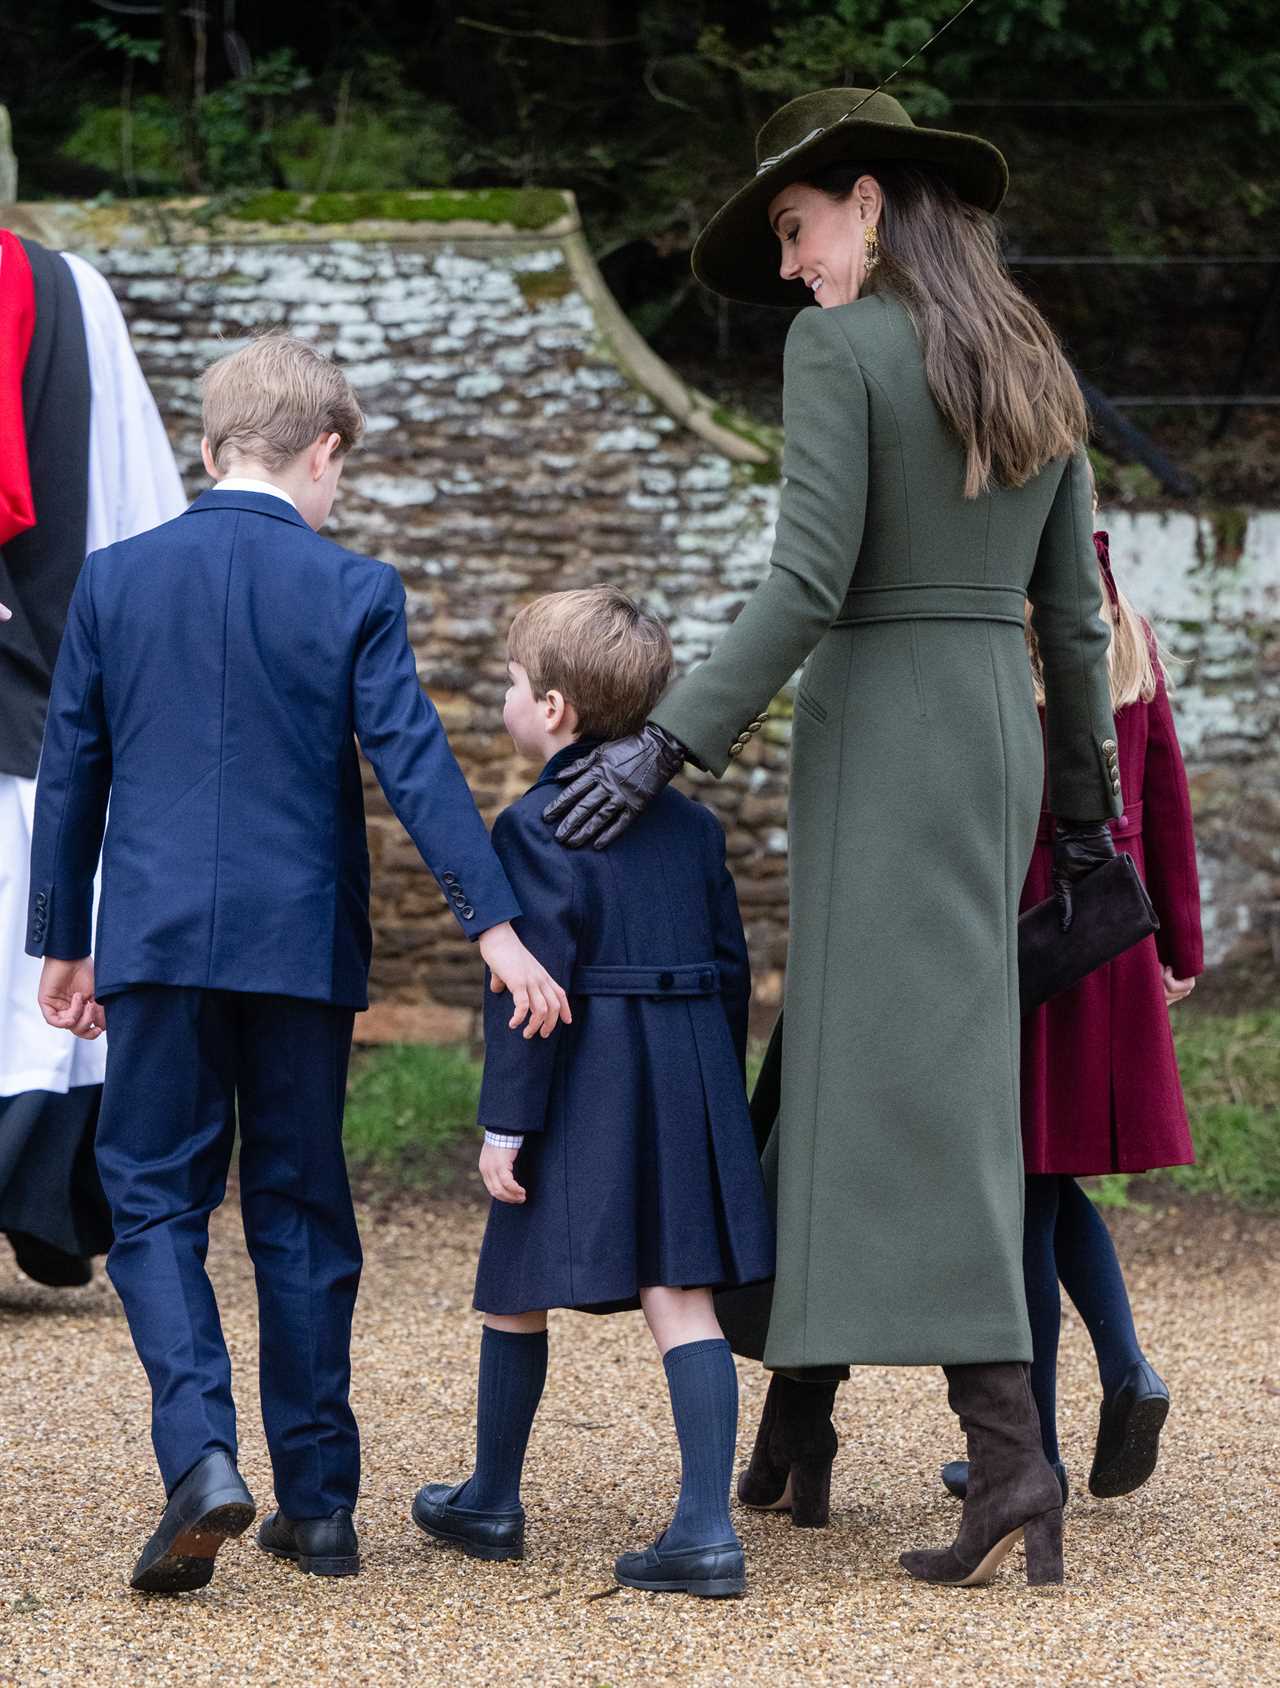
214, 676
619, 1153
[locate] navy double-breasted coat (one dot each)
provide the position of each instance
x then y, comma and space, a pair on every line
639, 1159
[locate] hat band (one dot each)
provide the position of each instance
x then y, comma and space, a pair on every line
768, 163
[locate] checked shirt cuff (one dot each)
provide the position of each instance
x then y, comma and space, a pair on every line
503, 1140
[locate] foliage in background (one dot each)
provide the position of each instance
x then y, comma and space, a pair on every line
411, 1111
647, 110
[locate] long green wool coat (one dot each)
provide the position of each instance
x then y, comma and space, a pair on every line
917, 768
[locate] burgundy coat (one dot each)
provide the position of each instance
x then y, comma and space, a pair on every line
1100, 1087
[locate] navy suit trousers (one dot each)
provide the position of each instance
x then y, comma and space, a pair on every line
181, 1062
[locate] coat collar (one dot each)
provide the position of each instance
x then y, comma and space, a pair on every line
260, 503
565, 759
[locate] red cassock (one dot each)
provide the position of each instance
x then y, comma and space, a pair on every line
1100, 1086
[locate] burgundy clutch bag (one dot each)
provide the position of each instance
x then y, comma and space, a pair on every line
1111, 912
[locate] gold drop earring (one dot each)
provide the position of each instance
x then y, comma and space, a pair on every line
871, 240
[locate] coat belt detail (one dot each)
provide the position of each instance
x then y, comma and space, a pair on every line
932, 601
1127, 825
689, 978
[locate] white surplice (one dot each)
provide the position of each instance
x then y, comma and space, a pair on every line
133, 485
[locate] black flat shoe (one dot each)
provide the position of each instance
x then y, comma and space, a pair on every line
322, 1547
210, 1505
47, 1265
480, 1535
712, 1573
955, 1478
1129, 1427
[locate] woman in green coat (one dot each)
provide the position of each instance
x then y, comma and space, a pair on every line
935, 479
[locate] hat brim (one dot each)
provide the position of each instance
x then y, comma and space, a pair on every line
737, 254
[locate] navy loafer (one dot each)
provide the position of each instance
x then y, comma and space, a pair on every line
1129, 1427
712, 1573
322, 1547
209, 1505
480, 1535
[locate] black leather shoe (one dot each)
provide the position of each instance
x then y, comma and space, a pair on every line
709, 1572
955, 1478
322, 1547
209, 1505
1129, 1427
480, 1535
50, 1266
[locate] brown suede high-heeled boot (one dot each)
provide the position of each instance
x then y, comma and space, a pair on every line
1012, 1489
790, 1465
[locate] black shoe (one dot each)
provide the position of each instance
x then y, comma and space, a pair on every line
210, 1504
955, 1478
709, 1572
50, 1266
1129, 1427
322, 1547
480, 1535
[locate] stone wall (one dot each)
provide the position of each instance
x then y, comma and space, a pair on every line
522, 439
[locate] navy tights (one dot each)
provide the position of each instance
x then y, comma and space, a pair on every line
1065, 1239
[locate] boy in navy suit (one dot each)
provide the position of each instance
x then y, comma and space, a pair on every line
619, 1153
212, 682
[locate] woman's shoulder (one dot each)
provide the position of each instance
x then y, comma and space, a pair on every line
864, 328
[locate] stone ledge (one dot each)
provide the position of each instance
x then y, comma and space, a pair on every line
416, 1022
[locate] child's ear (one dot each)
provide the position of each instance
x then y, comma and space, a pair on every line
206, 457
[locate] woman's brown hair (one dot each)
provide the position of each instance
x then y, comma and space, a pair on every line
994, 366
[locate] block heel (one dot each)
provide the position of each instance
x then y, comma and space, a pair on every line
1042, 1538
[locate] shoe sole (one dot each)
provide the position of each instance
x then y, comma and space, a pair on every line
1140, 1453
188, 1563
473, 1550
334, 1565
709, 1588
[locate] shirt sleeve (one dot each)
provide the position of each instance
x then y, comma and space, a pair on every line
515, 1090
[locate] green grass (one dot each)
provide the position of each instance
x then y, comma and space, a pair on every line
411, 1110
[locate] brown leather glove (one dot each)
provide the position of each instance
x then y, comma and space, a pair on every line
609, 788
1078, 848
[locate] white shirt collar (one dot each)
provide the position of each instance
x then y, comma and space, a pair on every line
245, 483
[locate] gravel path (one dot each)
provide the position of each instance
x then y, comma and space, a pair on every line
1177, 1584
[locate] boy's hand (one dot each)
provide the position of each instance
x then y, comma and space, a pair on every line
66, 998
535, 992
1175, 989
497, 1168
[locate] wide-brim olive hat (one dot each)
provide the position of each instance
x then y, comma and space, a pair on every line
737, 254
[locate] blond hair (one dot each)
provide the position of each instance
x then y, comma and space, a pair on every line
994, 366
272, 399
1135, 661
608, 657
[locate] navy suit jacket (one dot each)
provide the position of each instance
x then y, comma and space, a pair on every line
212, 681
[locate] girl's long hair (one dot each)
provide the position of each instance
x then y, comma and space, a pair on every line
994, 366
1135, 661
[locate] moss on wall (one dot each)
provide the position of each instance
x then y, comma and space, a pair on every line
521, 208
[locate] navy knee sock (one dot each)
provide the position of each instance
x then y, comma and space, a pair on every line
1091, 1275
513, 1369
1044, 1303
704, 1404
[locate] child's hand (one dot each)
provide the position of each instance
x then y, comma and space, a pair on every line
534, 991
66, 998
497, 1168
1175, 989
